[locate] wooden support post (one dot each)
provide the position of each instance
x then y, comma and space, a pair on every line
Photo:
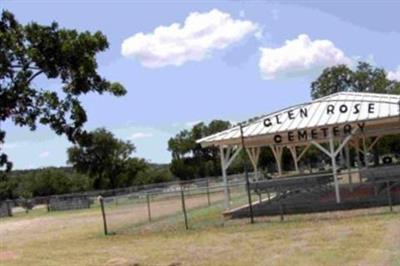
277, 151
247, 180
101, 200
357, 147
293, 151
389, 195
9, 209
254, 155
334, 167
48, 204
208, 192
148, 206
184, 208
347, 151
226, 160
224, 177
365, 152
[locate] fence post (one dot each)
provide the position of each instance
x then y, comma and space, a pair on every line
208, 193
281, 211
148, 206
48, 204
389, 195
101, 200
184, 208
9, 209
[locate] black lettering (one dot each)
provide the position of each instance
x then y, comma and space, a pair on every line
325, 131
303, 112
302, 135
291, 115
267, 122
361, 126
357, 108
347, 129
290, 136
278, 138
343, 108
371, 108
314, 134
336, 131
330, 109
277, 119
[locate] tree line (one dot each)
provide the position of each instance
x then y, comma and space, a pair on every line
97, 159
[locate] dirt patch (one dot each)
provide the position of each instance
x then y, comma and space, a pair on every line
7, 256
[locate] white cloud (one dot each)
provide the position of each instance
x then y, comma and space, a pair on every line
394, 75
44, 154
193, 41
140, 135
298, 56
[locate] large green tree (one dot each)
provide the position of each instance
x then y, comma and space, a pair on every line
30, 52
104, 158
189, 159
365, 78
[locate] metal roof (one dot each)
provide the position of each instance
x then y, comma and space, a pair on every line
335, 109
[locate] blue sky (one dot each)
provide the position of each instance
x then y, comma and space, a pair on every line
229, 60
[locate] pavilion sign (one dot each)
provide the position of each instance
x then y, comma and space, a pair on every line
321, 132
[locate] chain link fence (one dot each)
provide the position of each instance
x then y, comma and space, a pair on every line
184, 206
83, 200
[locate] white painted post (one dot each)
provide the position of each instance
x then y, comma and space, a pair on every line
293, 151
347, 151
224, 177
277, 151
254, 155
334, 168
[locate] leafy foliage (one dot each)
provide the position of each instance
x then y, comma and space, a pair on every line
103, 158
365, 78
30, 51
189, 159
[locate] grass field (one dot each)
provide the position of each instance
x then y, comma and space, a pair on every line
362, 237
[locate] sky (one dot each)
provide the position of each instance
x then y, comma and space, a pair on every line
188, 61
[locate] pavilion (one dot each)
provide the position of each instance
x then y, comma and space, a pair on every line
332, 124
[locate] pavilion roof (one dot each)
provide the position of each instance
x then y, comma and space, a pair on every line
336, 109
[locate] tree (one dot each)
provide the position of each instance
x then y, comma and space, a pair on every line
103, 158
133, 167
153, 175
334, 79
30, 51
189, 159
365, 78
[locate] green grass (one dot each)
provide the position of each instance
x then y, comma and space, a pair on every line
75, 238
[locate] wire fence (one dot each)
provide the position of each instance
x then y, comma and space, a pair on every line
81, 200
185, 206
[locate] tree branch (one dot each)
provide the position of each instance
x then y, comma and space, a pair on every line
22, 66
35, 75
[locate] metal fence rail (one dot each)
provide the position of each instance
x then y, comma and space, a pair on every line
185, 207
87, 199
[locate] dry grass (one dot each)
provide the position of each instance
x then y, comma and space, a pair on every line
362, 237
